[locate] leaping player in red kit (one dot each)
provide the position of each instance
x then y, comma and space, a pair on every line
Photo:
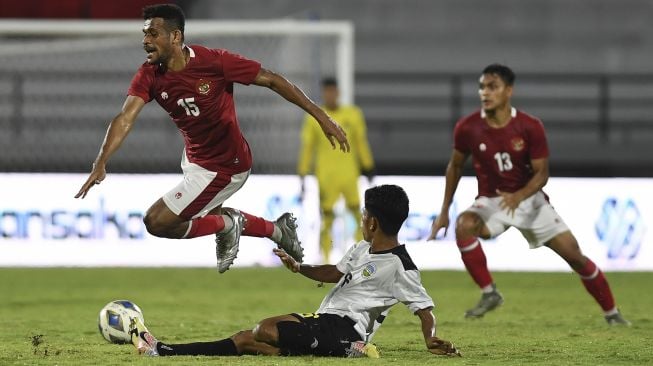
194, 85
510, 154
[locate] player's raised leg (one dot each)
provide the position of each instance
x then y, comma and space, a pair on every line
566, 246
469, 227
282, 231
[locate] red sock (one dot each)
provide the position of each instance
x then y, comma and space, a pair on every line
209, 224
596, 284
257, 226
475, 261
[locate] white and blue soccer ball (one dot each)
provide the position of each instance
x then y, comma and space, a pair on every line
114, 320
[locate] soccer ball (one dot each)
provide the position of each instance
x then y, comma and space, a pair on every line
114, 320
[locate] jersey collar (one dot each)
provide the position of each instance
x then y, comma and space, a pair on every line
513, 112
191, 53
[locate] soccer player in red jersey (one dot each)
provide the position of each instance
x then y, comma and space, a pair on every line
510, 156
194, 85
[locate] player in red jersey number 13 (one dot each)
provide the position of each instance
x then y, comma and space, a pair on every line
510, 155
194, 84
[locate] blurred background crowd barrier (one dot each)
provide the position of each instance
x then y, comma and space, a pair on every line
582, 67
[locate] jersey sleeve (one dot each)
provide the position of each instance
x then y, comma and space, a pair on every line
342, 264
141, 84
460, 139
307, 151
362, 145
538, 147
409, 290
238, 69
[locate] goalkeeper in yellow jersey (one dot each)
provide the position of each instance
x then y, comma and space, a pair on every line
337, 174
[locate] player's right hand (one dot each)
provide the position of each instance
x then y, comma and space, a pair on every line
96, 177
441, 347
441, 221
287, 260
334, 132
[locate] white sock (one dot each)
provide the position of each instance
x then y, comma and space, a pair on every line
276, 234
611, 312
488, 289
228, 223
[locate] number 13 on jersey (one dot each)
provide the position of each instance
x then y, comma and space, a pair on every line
190, 106
503, 160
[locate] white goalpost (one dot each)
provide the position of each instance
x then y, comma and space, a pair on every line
73, 74
342, 31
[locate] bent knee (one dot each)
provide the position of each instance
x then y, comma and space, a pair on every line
243, 338
469, 223
154, 225
266, 331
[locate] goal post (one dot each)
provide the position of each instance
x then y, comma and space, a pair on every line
342, 30
72, 75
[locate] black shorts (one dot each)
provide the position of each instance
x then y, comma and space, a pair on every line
334, 333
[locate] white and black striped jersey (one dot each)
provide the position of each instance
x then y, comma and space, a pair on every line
372, 283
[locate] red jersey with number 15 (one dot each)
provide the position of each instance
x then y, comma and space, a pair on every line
501, 156
200, 101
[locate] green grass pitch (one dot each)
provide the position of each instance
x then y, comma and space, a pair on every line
547, 319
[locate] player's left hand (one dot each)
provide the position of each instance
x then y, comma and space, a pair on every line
509, 201
287, 260
334, 132
96, 177
441, 347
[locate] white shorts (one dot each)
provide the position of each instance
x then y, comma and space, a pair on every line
201, 190
535, 218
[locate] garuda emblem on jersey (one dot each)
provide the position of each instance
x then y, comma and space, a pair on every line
203, 86
369, 270
517, 144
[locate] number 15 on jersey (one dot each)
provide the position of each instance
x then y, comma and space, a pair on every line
190, 106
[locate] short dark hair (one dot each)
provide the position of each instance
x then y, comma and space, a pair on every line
329, 81
502, 71
388, 204
172, 15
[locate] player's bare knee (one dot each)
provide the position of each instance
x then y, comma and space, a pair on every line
266, 331
153, 225
243, 339
468, 224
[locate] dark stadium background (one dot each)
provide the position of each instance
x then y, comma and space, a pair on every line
583, 67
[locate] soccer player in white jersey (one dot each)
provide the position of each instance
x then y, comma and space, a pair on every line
375, 274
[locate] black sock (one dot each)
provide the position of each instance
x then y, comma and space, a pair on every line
225, 347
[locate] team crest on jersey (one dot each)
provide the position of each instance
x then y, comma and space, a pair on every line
164, 95
482, 147
369, 270
203, 86
517, 143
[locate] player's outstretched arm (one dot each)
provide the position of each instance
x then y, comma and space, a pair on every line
323, 273
295, 95
116, 133
434, 344
453, 174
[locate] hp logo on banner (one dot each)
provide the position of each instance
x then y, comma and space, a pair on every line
621, 228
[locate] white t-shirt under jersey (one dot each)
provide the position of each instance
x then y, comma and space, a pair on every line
372, 284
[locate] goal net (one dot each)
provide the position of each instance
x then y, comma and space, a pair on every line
62, 81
